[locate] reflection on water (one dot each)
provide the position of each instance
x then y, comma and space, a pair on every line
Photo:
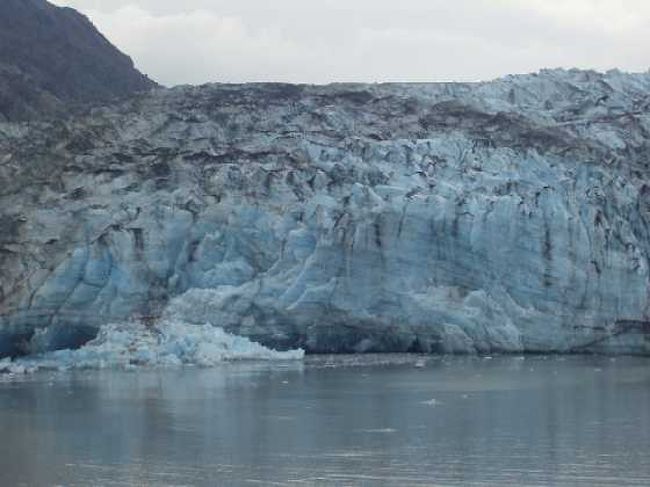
335, 421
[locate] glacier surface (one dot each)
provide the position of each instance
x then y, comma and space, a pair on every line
506, 216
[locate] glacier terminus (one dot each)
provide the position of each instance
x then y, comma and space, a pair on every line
502, 216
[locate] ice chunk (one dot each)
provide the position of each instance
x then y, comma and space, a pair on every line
431, 402
7, 366
169, 343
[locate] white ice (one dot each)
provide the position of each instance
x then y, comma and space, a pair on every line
168, 344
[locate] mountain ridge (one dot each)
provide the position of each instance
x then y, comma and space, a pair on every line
53, 61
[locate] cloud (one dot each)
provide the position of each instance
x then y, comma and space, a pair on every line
619, 16
199, 46
198, 41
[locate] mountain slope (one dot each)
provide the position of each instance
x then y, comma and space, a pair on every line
53, 58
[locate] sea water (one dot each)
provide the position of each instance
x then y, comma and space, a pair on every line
393, 420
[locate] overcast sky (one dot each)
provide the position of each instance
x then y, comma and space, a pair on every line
317, 41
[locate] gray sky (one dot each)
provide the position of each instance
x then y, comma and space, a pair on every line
317, 41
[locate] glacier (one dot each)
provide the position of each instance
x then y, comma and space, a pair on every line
502, 216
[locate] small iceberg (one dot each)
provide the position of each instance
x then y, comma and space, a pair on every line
431, 402
167, 344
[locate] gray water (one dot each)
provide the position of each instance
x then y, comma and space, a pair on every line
391, 420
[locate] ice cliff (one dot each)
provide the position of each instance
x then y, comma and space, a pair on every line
511, 215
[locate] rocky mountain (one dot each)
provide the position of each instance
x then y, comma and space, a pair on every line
52, 59
512, 216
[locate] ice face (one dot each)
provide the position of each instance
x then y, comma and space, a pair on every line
167, 344
505, 216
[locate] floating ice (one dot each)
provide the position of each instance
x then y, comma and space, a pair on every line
9, 367
431, 402
380, 430
169, 343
